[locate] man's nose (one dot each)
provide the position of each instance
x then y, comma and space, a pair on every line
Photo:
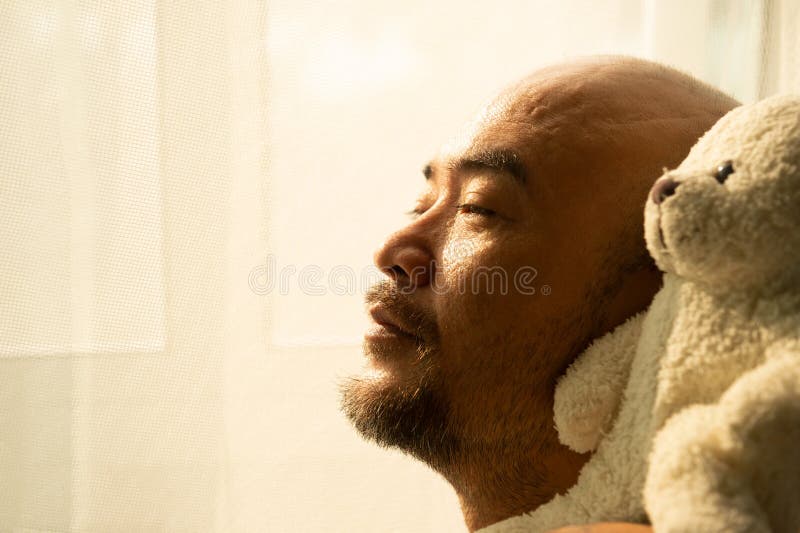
406, 258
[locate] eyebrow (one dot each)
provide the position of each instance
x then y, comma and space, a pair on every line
498, 161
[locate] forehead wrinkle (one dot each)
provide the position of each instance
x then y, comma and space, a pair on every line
591, 101
561, 112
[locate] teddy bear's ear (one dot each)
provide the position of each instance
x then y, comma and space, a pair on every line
588, 396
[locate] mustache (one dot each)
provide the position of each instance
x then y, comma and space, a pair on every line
423, 323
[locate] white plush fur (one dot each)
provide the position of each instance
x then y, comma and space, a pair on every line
588, 397
693, 409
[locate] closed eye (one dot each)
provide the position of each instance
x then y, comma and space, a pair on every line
466, 209
472, 209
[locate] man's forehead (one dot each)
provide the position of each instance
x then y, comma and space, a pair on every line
493, 129
554, 107
549, 98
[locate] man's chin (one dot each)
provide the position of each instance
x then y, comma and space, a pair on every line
397, 402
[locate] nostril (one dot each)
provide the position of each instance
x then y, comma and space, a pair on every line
662, 189
406, 263
394, 272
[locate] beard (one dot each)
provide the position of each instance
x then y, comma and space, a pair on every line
409, 411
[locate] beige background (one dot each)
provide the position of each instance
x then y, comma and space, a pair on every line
155, 155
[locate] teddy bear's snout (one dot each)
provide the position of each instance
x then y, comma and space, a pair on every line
662, 189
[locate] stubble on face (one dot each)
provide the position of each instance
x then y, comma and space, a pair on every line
408, 409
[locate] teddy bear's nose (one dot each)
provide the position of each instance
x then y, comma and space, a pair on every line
662, 189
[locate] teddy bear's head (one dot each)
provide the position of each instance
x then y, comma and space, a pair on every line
729, 215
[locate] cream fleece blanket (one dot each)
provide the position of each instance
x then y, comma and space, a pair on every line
693, 408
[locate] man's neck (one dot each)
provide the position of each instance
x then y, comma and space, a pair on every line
491, 489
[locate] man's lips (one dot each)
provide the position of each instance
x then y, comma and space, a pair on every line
390, 323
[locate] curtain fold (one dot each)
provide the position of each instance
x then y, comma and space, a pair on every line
780, 44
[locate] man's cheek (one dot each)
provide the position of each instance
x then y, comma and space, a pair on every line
480, 299
460, 253
465, 260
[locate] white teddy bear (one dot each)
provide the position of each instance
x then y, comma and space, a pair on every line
693, 407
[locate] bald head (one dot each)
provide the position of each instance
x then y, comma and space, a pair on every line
626, 85
604, 109
526, 243
593, 135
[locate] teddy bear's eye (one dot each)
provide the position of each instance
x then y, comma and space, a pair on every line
723, 171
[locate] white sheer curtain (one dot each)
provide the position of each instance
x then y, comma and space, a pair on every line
132, 171
189, 195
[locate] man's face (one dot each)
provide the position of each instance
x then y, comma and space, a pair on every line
483, 305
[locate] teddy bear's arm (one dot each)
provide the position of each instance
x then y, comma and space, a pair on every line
732, 466
587, 397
